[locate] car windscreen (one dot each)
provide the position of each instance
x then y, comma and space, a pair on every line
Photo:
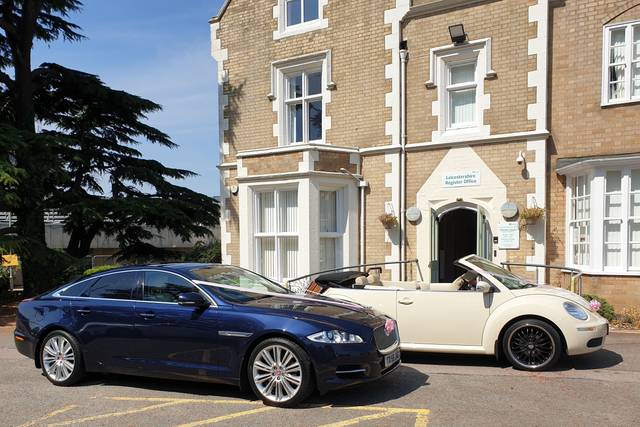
234, 277
503, 275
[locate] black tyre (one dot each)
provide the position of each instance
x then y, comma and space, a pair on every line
61, 359
532, 345
280, 373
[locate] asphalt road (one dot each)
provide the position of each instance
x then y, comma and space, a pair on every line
598, 389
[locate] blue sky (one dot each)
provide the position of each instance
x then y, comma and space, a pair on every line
160, 50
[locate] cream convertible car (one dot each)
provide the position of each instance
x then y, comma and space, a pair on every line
495, 313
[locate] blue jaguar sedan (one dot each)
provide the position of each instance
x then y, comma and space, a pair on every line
205, 322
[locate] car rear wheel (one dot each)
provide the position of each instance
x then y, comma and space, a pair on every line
61, 359
279, 372
532, 345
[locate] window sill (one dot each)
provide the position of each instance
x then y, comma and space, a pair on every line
459, 134
306, 27
611, 104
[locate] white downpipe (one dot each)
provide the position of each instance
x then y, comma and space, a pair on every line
362, 243
404, 56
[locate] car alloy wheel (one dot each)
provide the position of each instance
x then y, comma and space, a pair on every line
58, 358
532, 346
61, 359
277, 373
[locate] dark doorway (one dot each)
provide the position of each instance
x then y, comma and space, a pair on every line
457, 238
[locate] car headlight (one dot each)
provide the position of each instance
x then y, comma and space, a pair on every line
575, 311
335, 337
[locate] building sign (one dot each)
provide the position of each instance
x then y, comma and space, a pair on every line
10, 261
509, 235
461, 179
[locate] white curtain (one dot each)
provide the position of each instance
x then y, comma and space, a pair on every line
289, 257
288, 211
327, 253
267, 214
267, 251
328, 223
463, 106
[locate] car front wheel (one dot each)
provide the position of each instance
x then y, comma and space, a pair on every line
279, 372
532, 345
61, 359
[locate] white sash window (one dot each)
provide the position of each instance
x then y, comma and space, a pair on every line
276, 233
604, 221
330, 230
621, 65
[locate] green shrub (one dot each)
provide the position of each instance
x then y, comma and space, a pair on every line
204, 252
99, 269
606, 310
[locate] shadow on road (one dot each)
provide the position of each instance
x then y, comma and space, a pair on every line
600, 359
394, 386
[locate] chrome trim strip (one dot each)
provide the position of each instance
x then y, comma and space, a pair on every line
140, 270
391, 348
352, 371
236, 334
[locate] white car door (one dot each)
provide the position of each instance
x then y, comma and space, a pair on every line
444, 317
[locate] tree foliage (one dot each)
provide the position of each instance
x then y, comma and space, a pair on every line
85, 162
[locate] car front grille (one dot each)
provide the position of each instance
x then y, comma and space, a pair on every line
384, 341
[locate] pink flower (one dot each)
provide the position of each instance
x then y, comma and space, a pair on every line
595, 305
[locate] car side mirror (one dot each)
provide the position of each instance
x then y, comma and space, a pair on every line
193, 299
483, 287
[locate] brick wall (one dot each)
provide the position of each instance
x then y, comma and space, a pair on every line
374, 169
356, 38
270, 164
579, 124
506, 23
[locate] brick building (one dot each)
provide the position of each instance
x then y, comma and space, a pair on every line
533, 104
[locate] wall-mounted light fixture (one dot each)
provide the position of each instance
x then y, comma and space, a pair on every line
458, 36
522, 159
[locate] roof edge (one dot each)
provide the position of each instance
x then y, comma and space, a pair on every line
223, 9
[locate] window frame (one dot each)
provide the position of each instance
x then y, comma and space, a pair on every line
599, 219
284, 30
305, 99
59, 292
302, 10
277, 235
281, 70
457, 87
629, 27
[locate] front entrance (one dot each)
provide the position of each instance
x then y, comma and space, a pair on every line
456, 233
458, 236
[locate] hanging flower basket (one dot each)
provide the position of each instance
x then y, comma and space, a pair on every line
529, 216
388, 221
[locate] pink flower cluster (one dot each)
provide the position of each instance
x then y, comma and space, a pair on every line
595, 305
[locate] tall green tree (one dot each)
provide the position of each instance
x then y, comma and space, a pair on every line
21, 23
85, 162
109, 187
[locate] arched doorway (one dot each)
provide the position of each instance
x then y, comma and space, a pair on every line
456, 232
458, 238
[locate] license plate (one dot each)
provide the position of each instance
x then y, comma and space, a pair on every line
392, 358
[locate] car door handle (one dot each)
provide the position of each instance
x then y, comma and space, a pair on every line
148, 315
83, 311
405, 301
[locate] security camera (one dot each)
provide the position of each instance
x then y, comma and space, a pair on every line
521, 158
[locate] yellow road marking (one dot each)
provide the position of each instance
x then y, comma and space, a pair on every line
421, 420
49, 415
356, 420
169, 399
226, 417
118, 413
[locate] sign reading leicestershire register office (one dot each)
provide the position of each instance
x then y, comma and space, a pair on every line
461, 179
